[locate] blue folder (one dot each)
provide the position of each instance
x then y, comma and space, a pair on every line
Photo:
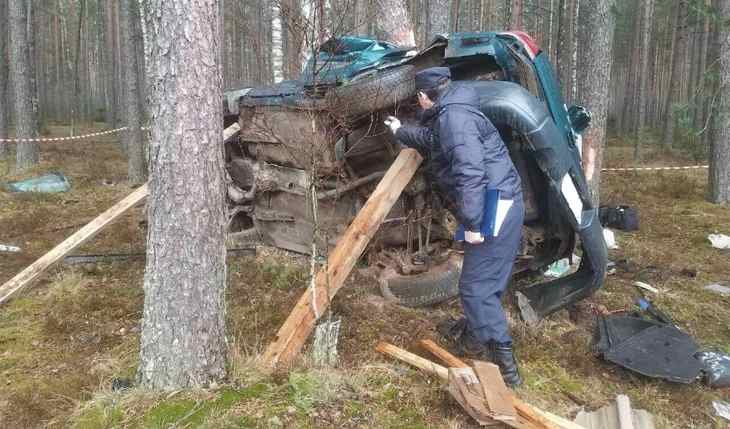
491, 200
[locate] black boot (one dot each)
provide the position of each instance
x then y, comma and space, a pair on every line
464, 342
504, 357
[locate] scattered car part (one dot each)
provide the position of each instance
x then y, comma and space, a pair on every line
648, 347
618, 415
718, 288
646, 286
719, 241
9, 249
716, 367
722, 409
50, 183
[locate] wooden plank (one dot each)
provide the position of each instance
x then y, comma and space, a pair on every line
464, 386
293, 333
88, 231
625, 415
37, 268
449, 359
527, 415
415, 360
499, 397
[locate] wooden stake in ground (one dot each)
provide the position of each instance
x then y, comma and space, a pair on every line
81, 236
295, 330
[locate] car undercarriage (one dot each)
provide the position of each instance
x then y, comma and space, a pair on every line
310, 152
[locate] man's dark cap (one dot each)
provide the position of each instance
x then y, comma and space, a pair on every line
432, 77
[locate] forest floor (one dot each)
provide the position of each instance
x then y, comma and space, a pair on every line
64, 340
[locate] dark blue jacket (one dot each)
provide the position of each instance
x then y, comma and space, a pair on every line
466, 154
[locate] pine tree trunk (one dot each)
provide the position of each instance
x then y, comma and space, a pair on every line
4, 95
680, 45
277, 47
516, 15
132, 119
593, 84
438, 18
719, 179
25, 124
567, 48
394, 23
644, 76
183, 342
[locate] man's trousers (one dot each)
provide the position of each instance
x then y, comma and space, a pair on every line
485, 274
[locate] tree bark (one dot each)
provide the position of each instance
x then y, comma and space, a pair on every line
677, 57
719, 176
593, 84
516, 15
4, 61
644, 76
132, 137
438, 18
25, 125
183, 341
277, 43
567, 47
393, 23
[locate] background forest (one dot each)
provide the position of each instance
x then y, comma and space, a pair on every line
650, 71
664, 66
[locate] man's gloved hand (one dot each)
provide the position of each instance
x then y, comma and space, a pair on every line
472, 237
393, 123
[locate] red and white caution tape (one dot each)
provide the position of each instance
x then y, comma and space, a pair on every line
690, 167
66, 139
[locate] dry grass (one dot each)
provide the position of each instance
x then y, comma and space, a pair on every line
64, 340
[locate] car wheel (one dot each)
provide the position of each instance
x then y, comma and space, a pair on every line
438, 284
371, 93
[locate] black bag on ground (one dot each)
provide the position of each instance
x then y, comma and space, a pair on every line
624, 218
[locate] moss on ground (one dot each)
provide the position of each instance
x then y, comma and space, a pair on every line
63, 341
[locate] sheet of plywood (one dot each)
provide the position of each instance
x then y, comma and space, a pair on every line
498, 396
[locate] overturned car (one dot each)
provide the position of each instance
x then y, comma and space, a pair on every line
310, 152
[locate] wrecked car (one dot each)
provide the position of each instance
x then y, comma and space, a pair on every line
310, 151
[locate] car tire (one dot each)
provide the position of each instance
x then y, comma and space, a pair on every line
437, 285
371, 93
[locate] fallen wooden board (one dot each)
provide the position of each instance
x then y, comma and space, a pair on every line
88, 231
499, 398
465, 387
293, 333
528, 416
413, 359
77, 239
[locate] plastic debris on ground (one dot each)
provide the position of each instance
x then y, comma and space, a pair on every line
562, 267
716, 366
8, 248
719, 241
722, 409
610, 238
646, 286
50, 183
616, 416
651, 346
718, 288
